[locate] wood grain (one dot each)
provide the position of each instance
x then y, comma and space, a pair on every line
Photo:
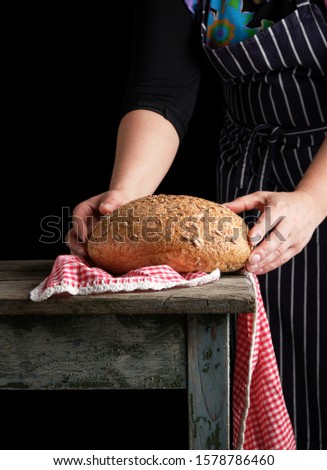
174, 338
232, 293
208, 381
79, 352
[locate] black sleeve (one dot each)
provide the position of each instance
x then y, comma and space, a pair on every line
165, 70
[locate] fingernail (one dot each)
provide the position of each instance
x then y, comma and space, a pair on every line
107, 207
79, 252
254, 259
255, 238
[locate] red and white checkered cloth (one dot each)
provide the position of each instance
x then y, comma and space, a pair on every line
261, 420
260, 416
73, 275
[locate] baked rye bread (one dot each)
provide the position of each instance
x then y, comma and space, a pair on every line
187, 233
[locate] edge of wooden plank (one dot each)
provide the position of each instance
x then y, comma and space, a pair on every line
26, 265
232, 293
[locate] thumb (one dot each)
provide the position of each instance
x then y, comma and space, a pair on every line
246, 203
112, 200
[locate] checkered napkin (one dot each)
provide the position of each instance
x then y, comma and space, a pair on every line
261, 420
73, 275
260, 417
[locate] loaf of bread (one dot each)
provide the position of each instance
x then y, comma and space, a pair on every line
188, 233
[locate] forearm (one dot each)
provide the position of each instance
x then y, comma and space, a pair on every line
146, 146
314, 181
164, 81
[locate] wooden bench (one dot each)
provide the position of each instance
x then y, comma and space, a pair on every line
172, 339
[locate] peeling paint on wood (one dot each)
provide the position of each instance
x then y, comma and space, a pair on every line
208, 381
176, 338
62, 352
213, 440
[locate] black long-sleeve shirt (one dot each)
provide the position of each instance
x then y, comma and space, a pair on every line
165, 71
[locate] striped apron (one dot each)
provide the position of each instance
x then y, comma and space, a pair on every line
275, 94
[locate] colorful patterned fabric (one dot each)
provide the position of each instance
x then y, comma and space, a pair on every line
232, 21
227, 22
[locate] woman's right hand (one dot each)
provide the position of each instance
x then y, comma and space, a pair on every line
87, 214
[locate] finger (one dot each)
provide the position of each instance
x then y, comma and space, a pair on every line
82, 213
281, 253
76, 246
275, 262
277, 257
271, 248
111, 202
270, 219
108, 206
250, 201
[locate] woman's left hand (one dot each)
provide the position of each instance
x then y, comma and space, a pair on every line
291, 219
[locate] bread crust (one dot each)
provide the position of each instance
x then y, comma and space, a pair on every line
188, 233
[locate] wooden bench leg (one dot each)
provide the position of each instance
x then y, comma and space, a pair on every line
208, 381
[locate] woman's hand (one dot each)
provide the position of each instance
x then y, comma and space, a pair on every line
87, 214
291, 219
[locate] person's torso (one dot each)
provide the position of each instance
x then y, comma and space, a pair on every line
277, 75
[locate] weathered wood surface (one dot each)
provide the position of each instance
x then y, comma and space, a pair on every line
24, 269
231, 294
80, 352
208, 381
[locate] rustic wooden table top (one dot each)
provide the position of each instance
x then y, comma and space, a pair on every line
232, 293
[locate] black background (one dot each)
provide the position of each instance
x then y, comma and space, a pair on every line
66, 79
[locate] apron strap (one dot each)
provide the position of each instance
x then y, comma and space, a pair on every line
268, 137
302, 3
244, 168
